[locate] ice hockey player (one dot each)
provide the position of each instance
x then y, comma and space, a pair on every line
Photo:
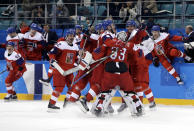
15, 66
50, 71
164, 51
79, 35
34, 43
134, 34
108, 27
88, 43
15, 38
64, 54
116, 73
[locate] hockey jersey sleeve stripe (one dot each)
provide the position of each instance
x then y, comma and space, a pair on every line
149, 56
104, 38
20, 61
54, 51
97, 50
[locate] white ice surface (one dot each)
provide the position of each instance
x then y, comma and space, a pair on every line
33, 116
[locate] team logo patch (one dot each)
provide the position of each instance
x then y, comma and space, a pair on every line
69, 58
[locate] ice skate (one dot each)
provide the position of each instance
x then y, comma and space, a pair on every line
10, 97
110, 109
152, 106
45, 81
83, 104
53, 108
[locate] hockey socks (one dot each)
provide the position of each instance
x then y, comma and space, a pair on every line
149, 95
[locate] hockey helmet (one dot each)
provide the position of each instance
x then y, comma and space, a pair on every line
131, 23
122, 35
78, 27
10, 43
155, 28
70, 31
11, 30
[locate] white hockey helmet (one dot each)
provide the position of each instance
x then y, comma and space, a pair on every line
122, 35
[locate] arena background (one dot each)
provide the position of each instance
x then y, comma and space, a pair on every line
173, 15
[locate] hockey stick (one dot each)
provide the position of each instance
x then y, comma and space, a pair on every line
161, 50
90, 70
105, 58
90, 28
56, 65
83, 50
82, 54
70, 71
3, 71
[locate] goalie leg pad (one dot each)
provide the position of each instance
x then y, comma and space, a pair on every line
132, 101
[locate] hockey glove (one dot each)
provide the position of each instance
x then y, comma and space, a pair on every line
51, 62
20, 68
156, 62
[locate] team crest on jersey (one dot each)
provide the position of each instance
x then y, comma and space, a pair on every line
69, 58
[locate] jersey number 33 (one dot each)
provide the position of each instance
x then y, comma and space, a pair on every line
118, 54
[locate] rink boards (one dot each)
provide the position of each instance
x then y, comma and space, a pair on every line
163, 85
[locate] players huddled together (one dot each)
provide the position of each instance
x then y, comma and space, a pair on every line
109, 61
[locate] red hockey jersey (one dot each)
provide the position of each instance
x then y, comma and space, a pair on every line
136, 36
91, 43
19, 45
15, 61
34, 45
64, 54
124, 52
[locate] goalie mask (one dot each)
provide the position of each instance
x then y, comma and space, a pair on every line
122, 35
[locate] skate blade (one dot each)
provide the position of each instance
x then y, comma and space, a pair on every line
10, 100
44, 83
53, 110
138, 115
81, 107
153, 109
